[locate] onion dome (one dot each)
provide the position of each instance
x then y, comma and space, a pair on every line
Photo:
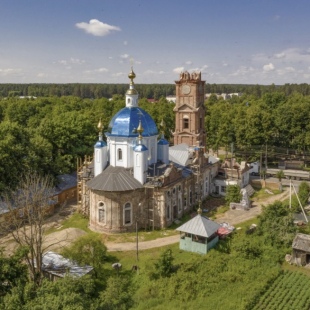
131, 90
100, 143
126, 121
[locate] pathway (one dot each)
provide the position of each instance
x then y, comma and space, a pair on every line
232, 217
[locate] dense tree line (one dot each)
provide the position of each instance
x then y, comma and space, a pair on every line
275, 122
152, 91
91, 91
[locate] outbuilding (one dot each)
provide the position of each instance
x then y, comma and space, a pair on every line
301, 250
199, 234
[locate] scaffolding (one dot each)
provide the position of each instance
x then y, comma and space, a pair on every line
84, 173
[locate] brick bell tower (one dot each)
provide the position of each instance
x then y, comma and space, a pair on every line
190, 110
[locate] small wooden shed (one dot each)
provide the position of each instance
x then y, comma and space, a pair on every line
301, 250
198, 235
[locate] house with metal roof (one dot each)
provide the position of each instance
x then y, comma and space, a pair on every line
301, 250
199, 234
55, 266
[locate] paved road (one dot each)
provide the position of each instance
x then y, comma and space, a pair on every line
232, 217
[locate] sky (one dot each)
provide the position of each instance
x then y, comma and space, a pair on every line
97, 41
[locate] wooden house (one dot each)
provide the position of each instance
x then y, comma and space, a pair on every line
301, 250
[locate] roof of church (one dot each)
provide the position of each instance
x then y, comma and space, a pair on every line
200, 226
114, 179
181, 154
126, 121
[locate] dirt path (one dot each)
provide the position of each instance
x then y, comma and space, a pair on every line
62, 238
232, 217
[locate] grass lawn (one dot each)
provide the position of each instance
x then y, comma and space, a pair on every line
76, 220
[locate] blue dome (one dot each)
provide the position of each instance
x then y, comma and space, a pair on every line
163, 141
100, 144
126, 121
140, 148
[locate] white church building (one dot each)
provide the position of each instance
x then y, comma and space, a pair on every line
135, 177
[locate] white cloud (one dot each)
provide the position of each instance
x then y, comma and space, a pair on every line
124, 56
118, 74
279, 55
178, 70
189, 62
102, 70
9, 71
71, 61
125, 42
242, 70
99, 70
153, 72
268, 67
286, 70
97, 28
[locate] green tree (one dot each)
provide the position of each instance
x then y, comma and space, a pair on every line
233, 194
12, 270
164, 266
276, 223
117, 295
66, 294
88, 250
280, 175
303, 193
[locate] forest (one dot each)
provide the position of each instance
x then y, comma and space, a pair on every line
149, 91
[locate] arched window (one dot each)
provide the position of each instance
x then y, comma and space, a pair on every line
127, 214
190, 197
119, 154
101, 212
128, 100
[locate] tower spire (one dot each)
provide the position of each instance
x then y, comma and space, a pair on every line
131, 94
100, 128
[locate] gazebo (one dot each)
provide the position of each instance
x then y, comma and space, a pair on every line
199, 234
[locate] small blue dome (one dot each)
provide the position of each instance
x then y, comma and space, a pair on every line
100, 144
162, 141
126, 121
140, 148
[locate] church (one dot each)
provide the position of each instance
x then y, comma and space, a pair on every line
135, 177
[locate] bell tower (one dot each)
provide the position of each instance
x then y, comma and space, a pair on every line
190, 110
